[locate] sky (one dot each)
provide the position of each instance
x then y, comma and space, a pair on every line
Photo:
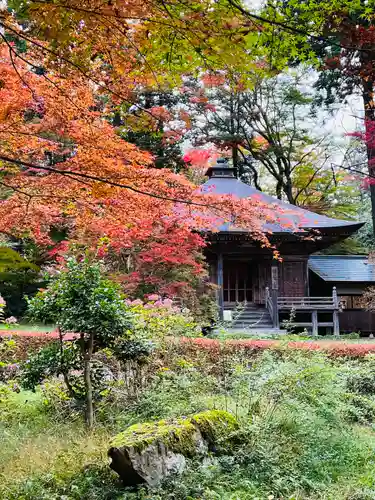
347, 116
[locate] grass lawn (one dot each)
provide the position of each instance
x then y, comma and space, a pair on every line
47, 457
28, 327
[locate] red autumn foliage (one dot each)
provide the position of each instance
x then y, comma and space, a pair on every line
332, 348
213, 79
56, 149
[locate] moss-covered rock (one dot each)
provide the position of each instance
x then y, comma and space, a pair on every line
149, 452
215, 425
177, 435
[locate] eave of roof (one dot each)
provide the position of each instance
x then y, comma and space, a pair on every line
343, 268
295, 216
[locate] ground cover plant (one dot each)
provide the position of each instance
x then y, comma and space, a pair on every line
306, 426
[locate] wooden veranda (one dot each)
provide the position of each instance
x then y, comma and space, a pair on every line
312, 305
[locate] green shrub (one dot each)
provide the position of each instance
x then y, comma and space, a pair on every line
133, 349
7, 349
171, 394
81, 300
57, 372
17, 348
158, 318
352, 335
19, 407
94, 482
362, 378
52, 360
360, 409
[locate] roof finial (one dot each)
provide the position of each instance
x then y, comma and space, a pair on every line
221, 169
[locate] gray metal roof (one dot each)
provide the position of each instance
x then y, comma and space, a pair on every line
350, 268
304, 219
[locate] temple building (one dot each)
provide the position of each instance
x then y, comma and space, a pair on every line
257, 291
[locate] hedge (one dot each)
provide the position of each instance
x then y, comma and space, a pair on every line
333, 348
27, 341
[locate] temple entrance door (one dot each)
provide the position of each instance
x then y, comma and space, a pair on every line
238, 283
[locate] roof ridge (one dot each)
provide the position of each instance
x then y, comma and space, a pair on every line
303, 218
355, 256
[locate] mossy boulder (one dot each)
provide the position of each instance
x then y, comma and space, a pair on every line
215, 425
149, 452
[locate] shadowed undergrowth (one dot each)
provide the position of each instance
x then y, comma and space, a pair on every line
306, 431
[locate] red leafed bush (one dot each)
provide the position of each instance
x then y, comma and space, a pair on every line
334, 348
214, 347
341, 349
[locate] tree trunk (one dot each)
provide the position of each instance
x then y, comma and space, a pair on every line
233, 132
279, 185
235, 157
288, 190
368, 101
255, 178
88, 384
279, 190
64, 370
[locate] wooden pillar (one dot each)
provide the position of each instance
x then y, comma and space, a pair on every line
307, 278
314, 320
275, 293
336, 324
220, 284
275, 276
335, 298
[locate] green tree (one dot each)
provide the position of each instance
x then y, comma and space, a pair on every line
336, 38
18, 277
325, 189
271, 134
81, 300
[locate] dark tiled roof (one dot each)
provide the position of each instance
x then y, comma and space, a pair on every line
298, 216
351, 268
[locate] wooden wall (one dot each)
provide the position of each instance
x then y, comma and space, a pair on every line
292, 274
292, 282
357, 320
261, 279
293, 277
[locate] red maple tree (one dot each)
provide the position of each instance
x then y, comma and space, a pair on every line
64, 167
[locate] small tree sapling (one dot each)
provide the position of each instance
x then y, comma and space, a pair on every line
81, 300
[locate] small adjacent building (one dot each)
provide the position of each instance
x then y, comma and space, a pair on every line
351, 275
244, 272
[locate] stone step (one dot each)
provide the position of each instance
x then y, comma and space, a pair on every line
250, 308
252, 325
255, 331
253, 315
265, 321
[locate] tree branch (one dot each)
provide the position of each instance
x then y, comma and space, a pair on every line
80, 175
297, 31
